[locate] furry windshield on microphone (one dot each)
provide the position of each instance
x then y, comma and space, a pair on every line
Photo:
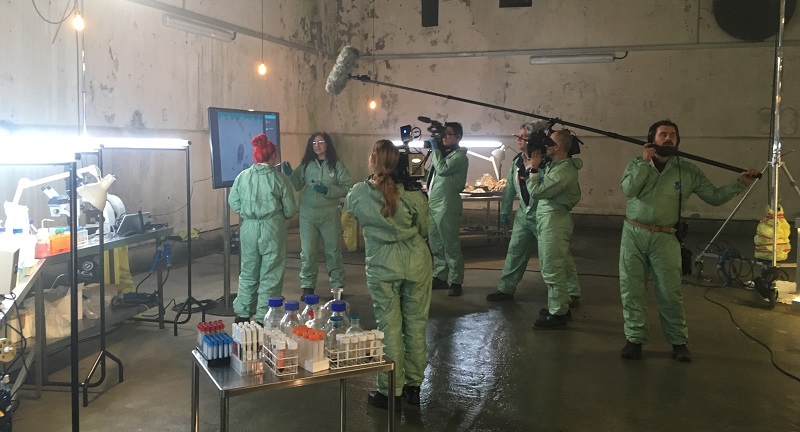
340, 73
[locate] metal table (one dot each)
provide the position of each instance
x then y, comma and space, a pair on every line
106, 317
499, 230
229, 384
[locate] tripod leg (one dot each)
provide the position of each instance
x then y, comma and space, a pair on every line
792, 183
699, 259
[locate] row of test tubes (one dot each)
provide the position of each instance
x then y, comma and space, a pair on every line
352, 349
248, 338
207, 328
311, 344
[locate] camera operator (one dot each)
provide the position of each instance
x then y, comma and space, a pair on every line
556, 189
656, 185
523, 234
447, 177
395, 222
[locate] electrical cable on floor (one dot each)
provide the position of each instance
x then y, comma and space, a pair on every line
756, 340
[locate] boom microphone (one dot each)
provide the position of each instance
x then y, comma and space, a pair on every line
345, 63
424, 119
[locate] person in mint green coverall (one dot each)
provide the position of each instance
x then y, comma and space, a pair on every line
654, 184
264, 199
557, 191
326, 181
398, 266
446, 180
523, 234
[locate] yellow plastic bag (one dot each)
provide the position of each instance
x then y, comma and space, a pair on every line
763, 237
349, 231
122, 269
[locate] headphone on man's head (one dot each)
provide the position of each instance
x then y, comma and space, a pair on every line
575, 148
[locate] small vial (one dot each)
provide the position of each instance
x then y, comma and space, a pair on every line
362, 347
379, 345
291, 353
279, 348
370, 346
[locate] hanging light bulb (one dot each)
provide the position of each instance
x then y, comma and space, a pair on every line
262, 69
77, 22
373, 105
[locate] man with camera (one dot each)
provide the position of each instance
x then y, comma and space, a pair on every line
523, 233
446, 179
555, 187
657, 184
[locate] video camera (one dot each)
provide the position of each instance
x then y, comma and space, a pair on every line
437, 131
410, 170
539, 139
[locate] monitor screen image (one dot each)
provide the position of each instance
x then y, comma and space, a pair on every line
231, 133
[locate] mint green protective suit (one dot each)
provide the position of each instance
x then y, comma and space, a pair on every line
264, 199
398, 266
653, 200
523, 234
557, 191
320, 217
446, 180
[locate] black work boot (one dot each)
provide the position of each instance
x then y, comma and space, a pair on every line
455, 290
439, 284
631, 351
411, 394
499, 296
379, 400
681, 353
306, 291
551, 322
543, 312
241, 320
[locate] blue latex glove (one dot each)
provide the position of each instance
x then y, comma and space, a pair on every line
504, 218
286, 168
321, 189
433, 144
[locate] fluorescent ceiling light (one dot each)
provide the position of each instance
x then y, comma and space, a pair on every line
142, 143
198, 28
584, 58
463, 143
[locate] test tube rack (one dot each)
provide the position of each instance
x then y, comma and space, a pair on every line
351, 354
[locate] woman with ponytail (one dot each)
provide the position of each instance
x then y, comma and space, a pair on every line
398, 266
264, 198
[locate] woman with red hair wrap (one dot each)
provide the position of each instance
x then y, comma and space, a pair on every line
264, 198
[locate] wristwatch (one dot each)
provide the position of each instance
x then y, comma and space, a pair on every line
532, 171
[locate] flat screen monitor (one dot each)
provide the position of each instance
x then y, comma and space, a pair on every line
231, 133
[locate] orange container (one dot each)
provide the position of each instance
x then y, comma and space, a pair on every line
59, 243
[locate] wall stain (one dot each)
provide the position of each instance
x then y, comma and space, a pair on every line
110, 118
137, 121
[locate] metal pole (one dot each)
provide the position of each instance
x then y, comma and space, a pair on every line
73, 295
226, 250
776, 124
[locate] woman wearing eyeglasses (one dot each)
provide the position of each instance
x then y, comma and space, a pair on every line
325, 181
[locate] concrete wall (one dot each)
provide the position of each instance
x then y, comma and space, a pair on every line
144, 79
679, 65
147, 80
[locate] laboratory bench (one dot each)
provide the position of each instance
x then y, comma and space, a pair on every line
86, 327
